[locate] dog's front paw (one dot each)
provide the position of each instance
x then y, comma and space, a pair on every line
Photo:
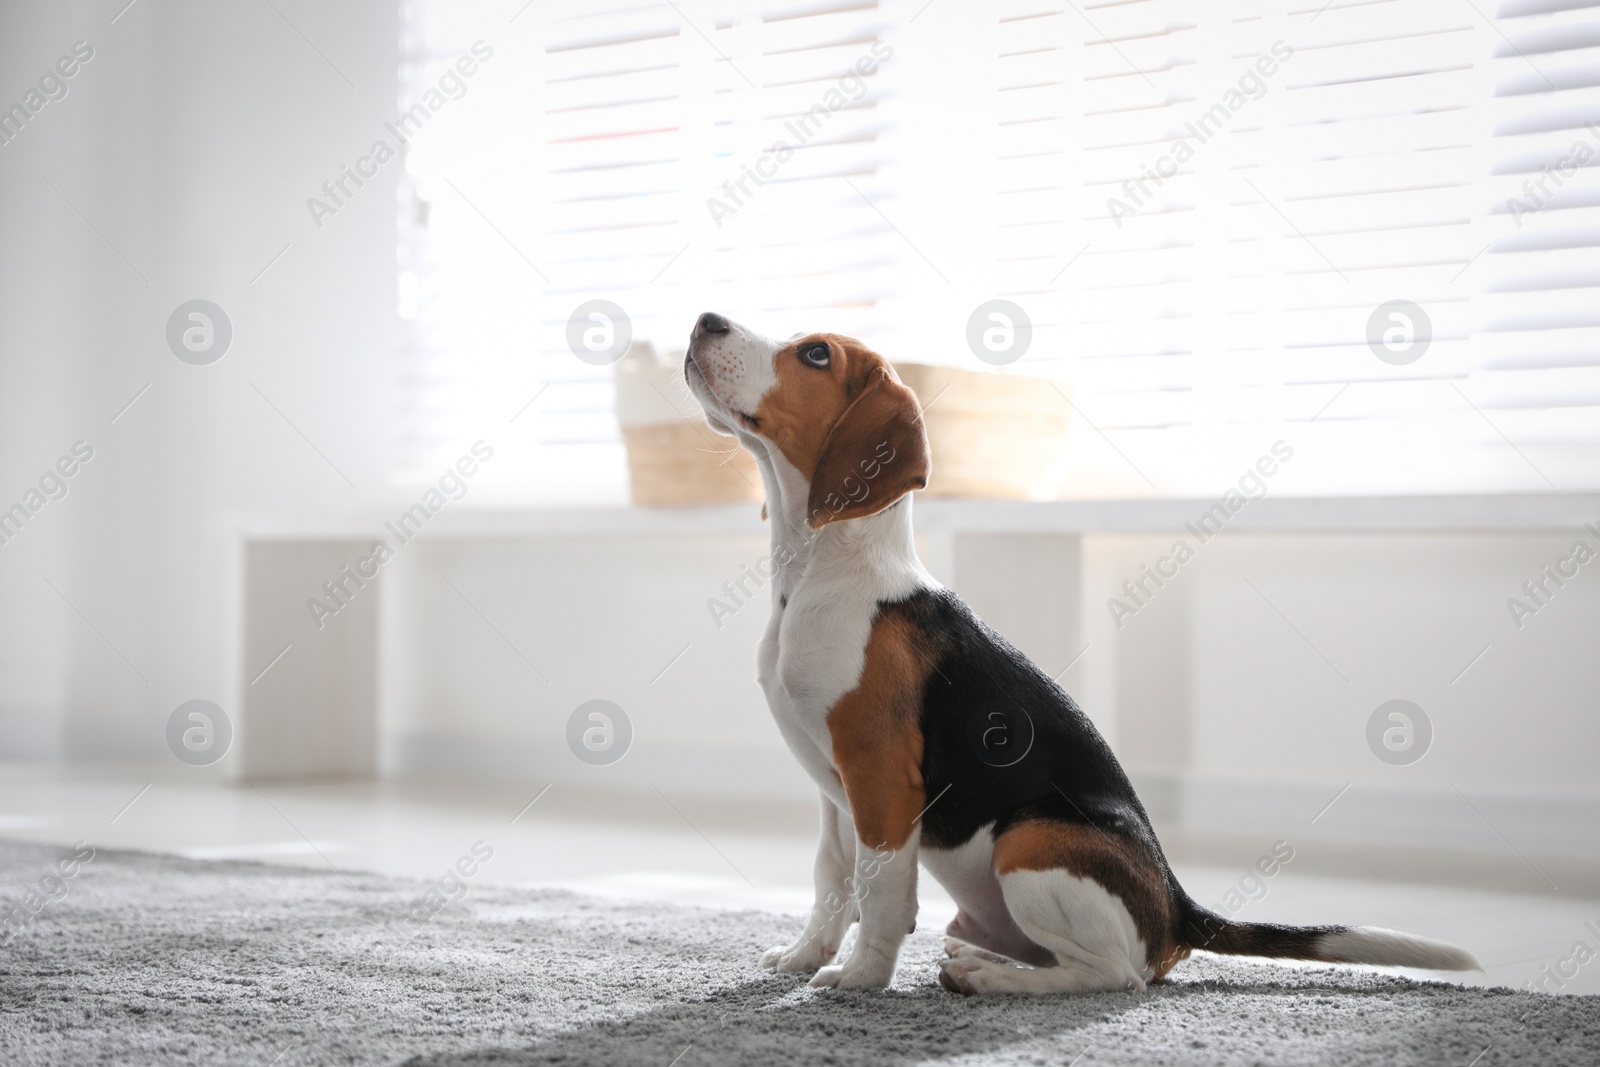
802, 957
847, 976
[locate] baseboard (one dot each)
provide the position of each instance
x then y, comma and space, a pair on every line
1472, 819
1437, 818
709, 771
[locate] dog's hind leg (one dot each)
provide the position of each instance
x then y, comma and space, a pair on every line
1090, 932
983, 920
1074, 890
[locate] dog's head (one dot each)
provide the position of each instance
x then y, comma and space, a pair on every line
834, 408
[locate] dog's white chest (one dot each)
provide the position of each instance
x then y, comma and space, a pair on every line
814, 650
812, 655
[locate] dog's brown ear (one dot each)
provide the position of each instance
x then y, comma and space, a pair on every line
875, 454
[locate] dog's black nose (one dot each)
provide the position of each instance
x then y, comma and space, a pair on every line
711, 322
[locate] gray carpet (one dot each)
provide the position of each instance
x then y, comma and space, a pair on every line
150, 959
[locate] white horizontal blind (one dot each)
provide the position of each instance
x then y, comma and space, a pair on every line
626, 154
1538, 348
1031, 235
1199, 244
1372, 164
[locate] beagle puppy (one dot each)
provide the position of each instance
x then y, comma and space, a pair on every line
930, 737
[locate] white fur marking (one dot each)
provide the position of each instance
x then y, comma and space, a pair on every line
1390, 948
1080, 921
835, 908
967, 873
885, 884
824, 601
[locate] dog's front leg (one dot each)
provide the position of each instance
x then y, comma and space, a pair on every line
877, 753
835, 907
885, 885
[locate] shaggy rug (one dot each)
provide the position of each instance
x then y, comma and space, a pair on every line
136, 959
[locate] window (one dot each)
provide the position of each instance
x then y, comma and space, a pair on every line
1206, 211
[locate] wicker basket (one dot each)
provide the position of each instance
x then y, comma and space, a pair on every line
674, 458
991, 435
682, 463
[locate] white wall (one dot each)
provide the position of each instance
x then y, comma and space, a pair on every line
1227, 707
1227, 717
187, 148
1399, 616
190, 141
618, 619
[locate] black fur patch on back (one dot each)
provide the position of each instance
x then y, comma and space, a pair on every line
1068, 772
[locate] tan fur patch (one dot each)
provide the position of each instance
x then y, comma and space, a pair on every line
1120, 865
877, 736
802, 407
852, 428
875, 454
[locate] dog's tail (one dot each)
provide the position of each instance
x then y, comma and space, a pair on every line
1203, 929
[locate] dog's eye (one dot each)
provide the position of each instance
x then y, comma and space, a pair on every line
814, 355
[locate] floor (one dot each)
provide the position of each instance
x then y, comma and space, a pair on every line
159, 960
690, 850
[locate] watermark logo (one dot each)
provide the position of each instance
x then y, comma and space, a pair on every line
1252, 884
448, 888
1551, 579
1000, 733
1399, 332
1399, 733
1250, 85
199, 332
199, 733
1538, 192
338, 191
848, 89
1252, 486
52, 486
52, 87
53, 888
765, 570
999, 332
599, 733
342, 588
1553, 978
823, 921
853, 489
599, 332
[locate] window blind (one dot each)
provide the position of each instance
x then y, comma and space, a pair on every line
627, 153
1202, 209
